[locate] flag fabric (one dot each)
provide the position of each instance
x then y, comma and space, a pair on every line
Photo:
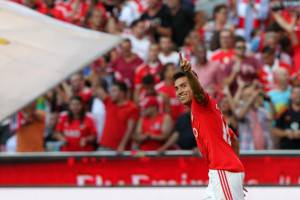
37, 52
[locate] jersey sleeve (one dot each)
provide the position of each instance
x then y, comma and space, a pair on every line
205, 102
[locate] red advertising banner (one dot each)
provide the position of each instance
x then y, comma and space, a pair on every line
145, 171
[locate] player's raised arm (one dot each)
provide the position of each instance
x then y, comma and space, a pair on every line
198, 91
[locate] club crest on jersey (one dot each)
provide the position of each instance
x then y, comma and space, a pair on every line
196, 134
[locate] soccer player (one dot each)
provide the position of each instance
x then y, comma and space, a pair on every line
217, 143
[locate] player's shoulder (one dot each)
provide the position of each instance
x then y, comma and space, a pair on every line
205, 101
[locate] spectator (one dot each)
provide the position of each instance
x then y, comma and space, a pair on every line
78, 88
219, 22
98, 108
5, 133
226, 52
139, 40
121, 117
30, 135
251, 15
280, 95
208, 72
158, 19
182, 20
127, 62
287, 128
228, 104
254, 120
76, 128
147, 88
51, 143
152, 66
270, 63
153, 128
77, 11
276, 38
167, 90
191, 43
291, 25
182, 135
200, 19
130, 11
241, 66
98, 19
167, 54
38, 5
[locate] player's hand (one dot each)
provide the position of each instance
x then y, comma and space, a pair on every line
185, 65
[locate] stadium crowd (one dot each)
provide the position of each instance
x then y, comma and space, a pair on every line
246, 54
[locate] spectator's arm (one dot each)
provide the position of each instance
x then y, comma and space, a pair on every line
67, 90
246, 107
164, 31
136, 94
59, 136
127, 136
139, 137
166, 129
100, 92
170, 142
232, 103
289, 27
236, 69
280, 132
239, 91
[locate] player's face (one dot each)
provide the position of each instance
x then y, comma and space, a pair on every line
183, 91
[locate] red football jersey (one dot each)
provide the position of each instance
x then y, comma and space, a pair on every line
222, 56
214, 137
74, 130
117, 117
152, 126
144, 69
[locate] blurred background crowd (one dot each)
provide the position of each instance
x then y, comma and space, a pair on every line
246, 54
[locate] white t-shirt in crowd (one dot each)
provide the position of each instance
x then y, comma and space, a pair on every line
171, 58
139, 46
98, 112
129, 13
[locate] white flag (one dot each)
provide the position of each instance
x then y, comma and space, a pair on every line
38, 52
